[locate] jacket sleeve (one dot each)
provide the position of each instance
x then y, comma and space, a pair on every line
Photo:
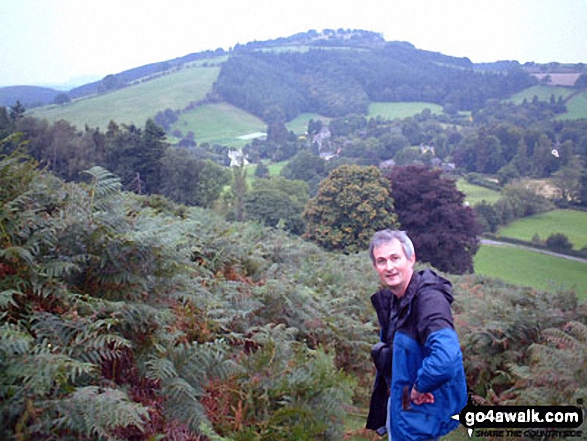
440, 365
441, 342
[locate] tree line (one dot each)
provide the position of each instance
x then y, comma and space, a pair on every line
336, 83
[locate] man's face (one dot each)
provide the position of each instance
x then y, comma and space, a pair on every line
394, 268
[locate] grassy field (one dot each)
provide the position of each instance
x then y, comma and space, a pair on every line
401, 110
576, 107
221, 124
569, 222
476, 193
542, 92
529, 268
299, 125
137, 103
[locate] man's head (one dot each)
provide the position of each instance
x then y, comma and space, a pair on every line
393, 257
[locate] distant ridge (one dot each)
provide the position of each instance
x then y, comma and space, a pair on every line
29, 96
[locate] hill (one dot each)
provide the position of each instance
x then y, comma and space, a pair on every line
29, 96
134, 104
326, 74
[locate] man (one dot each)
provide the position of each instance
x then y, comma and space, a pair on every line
419, 361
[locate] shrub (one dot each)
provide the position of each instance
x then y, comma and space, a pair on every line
559, 242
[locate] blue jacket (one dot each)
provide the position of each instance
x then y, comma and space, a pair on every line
419, 347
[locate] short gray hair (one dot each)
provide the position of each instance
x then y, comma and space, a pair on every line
386, 236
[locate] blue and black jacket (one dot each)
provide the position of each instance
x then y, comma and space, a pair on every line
419, 347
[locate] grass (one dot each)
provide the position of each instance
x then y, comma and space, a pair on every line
299, 125
576, 107
220, 123
135, 104
569, 222
523, 267
401, 110
475, 193
542, 92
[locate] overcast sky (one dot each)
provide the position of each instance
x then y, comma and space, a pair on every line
53, 41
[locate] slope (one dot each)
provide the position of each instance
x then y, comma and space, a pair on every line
135, 104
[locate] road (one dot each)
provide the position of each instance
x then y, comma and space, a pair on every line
536, 250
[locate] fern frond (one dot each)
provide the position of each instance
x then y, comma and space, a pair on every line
182, 403
98, 412
563, 340
14, 341
7, 298
40, 372
577, 329
160, 369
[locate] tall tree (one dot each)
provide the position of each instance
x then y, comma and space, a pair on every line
432, 211
352, 203
152, 150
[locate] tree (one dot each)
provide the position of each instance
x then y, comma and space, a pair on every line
559, 242
278, 202
432, 211
152, 150
16, 111
61, 98
189, 180
352, 203
262, 171
304, 166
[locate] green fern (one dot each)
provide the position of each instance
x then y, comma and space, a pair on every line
97, 412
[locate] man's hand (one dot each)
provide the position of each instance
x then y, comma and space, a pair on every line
421, 398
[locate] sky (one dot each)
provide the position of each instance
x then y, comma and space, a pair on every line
51, 42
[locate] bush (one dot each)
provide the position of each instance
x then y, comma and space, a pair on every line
559, 242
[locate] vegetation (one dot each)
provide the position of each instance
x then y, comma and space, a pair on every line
148, 292
351, 205
153, 319
134, 105
475, 193
572, 224
218, 123
527, 267
401, 110
430, 208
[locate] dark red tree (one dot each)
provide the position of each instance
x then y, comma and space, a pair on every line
432, 211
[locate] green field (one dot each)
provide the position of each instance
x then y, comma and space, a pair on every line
401, 110
576, 107
220, 123
542, 92
529, 268
299, 125
137, 103
569, 222
476, 193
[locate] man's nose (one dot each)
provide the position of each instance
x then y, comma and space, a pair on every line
388, 265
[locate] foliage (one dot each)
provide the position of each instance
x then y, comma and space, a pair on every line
519, 201
497, 325
276, 201
149, 310
430, 208
556, 373
352, 203
558, 242
130, 317
338, 83
189, 180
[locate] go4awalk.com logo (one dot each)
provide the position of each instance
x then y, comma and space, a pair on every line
522, 421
